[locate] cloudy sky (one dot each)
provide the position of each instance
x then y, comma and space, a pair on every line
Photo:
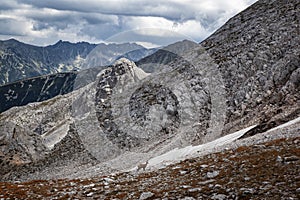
148, 22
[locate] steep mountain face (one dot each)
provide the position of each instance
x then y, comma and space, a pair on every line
28, 134
35, 89
19, 146
42, 88
246, 73
258, 55
21, 61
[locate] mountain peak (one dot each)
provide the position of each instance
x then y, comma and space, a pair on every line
124, 61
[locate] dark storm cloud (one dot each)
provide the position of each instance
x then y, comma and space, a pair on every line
7, 5
168, 9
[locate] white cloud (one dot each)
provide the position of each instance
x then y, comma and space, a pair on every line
45, 22
14, 27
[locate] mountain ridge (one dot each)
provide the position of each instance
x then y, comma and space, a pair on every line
19, 60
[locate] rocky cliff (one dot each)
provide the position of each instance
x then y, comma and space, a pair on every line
258, 55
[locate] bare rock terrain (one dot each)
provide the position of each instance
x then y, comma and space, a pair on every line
85, 143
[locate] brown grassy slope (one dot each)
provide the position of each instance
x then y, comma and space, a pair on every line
266, 171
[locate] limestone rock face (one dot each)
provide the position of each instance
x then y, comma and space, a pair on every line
128, 110
258, 54
19, 146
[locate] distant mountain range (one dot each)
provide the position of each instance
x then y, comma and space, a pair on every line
20, 61
107, 54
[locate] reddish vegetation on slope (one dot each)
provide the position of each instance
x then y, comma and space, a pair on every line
265, 171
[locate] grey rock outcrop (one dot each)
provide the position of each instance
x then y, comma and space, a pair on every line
258, 55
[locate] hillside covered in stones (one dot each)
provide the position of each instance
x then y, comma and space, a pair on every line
265, 170
259, 57
246, 73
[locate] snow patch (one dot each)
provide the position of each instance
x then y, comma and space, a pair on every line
191, 151
54, 136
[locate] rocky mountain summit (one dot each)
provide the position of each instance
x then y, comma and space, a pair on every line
245, 75
164, 56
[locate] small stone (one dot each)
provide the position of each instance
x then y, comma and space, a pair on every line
291, 158
218, 186
72, 184
108, 180
212, 174
219, 197
188, 198
146, 195
247, 190
183, 172
176, 167
88, 186
195, 189
185, 186
90, 194
203, 166
206, 182
279, 159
